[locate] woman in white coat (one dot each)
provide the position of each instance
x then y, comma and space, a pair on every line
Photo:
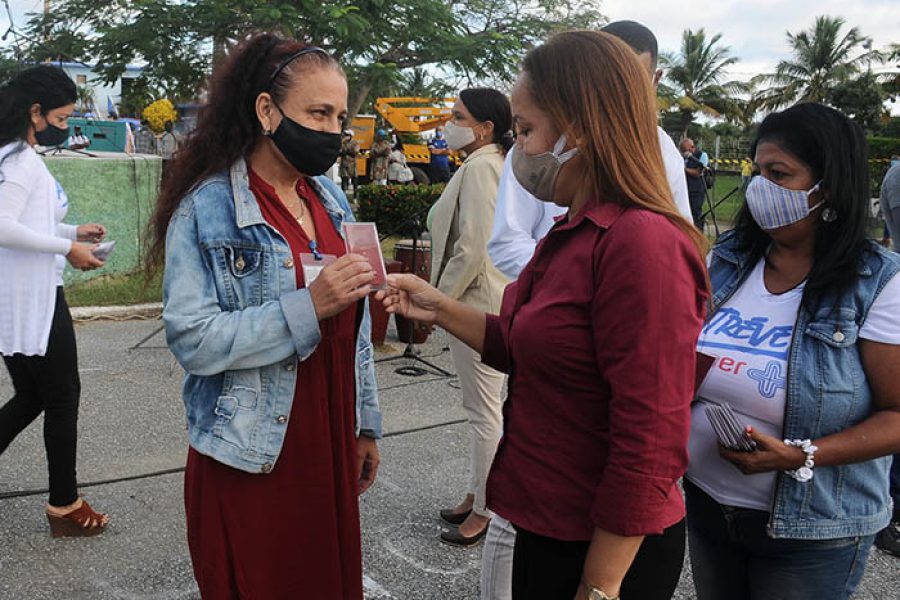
461, 221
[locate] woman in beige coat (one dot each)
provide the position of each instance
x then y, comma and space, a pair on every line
461, 268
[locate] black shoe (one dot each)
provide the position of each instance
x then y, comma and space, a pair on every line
454, 518
455, 538
888, 539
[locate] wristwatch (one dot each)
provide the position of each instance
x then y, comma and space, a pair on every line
595, 593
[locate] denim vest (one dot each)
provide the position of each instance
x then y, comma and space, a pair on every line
237, 323
827, 392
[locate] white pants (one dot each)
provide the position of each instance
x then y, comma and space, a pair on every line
482, 387
497, 560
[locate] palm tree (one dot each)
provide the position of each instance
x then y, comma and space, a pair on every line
695, 77
85, 96
821, 60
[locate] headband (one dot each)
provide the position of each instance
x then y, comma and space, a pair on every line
290, 59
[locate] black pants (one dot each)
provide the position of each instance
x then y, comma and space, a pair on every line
48, 384
440, 174
696, 200
549, 569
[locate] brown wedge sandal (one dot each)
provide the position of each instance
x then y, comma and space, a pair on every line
81, 522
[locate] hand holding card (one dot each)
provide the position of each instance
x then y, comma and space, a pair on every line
728, 430
362, 239
103, 250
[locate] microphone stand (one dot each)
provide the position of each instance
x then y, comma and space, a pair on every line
713, 206
413, 224
59, 150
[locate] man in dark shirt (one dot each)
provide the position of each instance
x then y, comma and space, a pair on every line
440, 157
693, 170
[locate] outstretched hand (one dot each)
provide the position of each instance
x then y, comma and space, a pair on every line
411, 297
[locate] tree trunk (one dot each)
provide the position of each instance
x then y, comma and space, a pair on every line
359, 98
687, 117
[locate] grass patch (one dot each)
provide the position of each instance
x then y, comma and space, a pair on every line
115, 290
387, 247
727, 210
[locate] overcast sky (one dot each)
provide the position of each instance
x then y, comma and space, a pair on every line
755, 29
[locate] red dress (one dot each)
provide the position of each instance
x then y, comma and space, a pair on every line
293, 533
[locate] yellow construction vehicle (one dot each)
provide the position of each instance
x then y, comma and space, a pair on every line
409, 117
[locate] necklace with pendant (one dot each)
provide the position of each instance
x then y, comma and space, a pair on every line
302, 213
301, 185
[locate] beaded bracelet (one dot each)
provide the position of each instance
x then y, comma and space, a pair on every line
804, 473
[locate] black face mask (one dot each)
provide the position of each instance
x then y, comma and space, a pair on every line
52, 136
311, 152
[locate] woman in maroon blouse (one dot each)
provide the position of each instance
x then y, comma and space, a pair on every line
598, 335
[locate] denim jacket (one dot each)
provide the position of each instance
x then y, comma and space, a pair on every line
827, 392
237, 323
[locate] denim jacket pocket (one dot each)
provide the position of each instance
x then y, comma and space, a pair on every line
837, 331
242, 261
239, 267
838, 372
236, 409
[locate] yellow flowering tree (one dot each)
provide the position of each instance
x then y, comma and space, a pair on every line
158, 113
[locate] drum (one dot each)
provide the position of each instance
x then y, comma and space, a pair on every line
416, 261
379, 314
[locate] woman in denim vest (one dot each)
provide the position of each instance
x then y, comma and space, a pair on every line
805, 340
267, 314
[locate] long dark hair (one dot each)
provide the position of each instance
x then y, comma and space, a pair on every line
227, 127
45, 85
834, 148
487, 104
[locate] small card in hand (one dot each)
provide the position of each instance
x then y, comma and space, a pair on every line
362, 238
730, 433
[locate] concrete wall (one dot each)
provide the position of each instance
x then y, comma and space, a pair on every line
117, 190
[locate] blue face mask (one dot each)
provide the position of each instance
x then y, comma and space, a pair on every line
773, 206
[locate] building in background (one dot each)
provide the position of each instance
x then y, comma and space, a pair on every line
104, 95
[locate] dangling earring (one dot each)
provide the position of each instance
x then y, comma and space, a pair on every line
267, 132
829, 215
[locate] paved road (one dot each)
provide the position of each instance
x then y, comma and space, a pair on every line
132, 427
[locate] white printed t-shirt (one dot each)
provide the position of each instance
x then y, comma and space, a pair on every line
750, 337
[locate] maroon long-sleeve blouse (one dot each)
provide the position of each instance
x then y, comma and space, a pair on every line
599, 337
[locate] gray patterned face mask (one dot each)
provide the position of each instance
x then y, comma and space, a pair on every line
537, 173
774, 206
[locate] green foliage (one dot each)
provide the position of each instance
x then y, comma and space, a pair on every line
860, 99
115, 290
374, 39
85, 97
695, 79
136, 97
9, 66
891, 128
395, 209
822, 58
883, 147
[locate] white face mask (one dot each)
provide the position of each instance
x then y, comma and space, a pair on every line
774, 206
458, 137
